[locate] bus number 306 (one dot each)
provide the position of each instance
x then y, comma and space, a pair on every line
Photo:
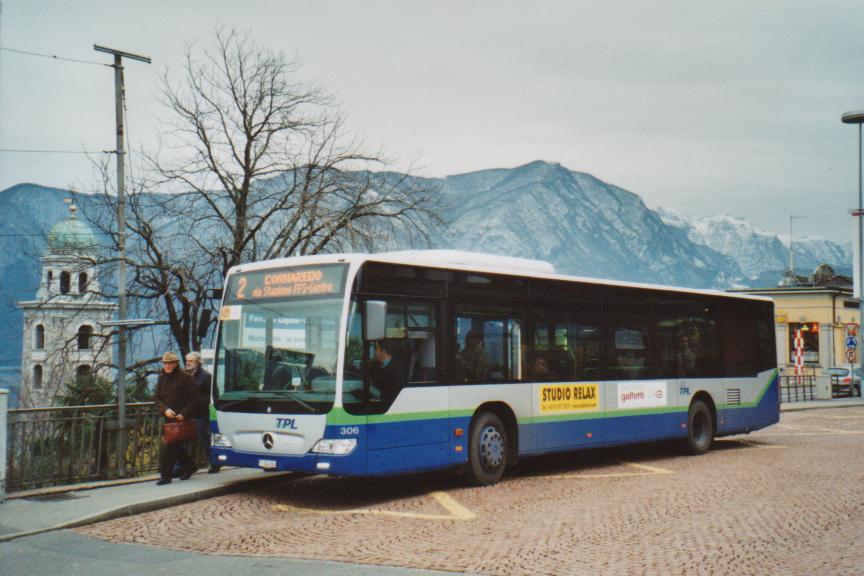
349, 430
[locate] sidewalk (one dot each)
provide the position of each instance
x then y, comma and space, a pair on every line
37, 511
818, 404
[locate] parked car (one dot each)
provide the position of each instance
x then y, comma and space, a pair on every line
842, 384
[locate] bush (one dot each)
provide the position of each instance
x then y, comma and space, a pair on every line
87, 390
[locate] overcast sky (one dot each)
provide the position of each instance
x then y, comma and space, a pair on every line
703, 107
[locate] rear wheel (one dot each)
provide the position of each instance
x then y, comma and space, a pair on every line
487, 450
700, 427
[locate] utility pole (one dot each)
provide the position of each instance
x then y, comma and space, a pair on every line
121, 247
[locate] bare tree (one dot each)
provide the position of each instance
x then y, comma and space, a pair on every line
254, 165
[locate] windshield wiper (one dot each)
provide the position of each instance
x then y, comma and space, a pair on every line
264, 397
227, 403
293, 397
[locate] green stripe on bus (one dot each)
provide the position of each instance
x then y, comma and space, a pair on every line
601, 415
338, 416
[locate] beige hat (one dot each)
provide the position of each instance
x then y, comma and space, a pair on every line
170, 357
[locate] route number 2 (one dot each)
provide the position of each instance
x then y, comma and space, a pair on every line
241, 289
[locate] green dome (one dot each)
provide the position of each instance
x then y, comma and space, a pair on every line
71, 235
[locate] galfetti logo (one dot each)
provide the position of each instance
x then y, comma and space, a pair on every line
564, 397
642, 394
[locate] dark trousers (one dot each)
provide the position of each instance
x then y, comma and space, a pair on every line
171, 454
202, 424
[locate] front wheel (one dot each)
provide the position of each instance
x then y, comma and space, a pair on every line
487, 450
700, 427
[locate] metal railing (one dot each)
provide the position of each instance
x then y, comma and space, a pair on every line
70, 444
797, 388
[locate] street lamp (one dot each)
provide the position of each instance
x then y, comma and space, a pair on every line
857, 117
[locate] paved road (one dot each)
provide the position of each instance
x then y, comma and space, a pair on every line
787, 500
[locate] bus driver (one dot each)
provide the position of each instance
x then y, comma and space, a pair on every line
385, 372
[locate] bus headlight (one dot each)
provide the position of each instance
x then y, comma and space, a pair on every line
341, 447
220, 440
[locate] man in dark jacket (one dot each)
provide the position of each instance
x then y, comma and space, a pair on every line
177, 399
202, 381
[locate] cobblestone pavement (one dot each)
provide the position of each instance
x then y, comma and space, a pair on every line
786, 500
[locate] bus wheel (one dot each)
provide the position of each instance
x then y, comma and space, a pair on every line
700, 427
487, 450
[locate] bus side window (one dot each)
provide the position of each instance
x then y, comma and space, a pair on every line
375, 372
489, 346
629, 328
422, 341
566, 343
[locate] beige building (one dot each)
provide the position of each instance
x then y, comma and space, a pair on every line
823, 308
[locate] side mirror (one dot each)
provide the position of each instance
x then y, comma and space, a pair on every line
376, 319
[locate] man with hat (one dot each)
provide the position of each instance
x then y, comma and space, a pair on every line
177, 399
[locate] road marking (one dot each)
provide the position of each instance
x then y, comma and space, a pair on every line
836, 431
648, 471
456, 510
815, 431
652, 469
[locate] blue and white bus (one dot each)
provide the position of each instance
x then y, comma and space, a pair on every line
392, 363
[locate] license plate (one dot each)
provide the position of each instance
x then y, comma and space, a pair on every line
267, 464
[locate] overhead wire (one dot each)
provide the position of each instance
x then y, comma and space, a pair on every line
64, 59
54, 57
37, 151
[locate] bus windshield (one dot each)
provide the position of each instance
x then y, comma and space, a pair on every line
278, 340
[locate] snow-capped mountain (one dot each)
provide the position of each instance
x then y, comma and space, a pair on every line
582, 225
757, 251
541, 210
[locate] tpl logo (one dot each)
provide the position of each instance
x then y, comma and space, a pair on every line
286, 424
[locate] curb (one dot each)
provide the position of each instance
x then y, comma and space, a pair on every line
791, 407
83, 487
150, 505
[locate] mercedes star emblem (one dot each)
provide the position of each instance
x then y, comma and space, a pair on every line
268, 441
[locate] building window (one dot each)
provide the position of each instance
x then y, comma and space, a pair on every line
84, 334
48, 279
809, 343
83, 371
40, 337
82, 283
37, 376
65, 281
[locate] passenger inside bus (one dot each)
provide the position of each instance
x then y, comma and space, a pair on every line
540, 370
472, 358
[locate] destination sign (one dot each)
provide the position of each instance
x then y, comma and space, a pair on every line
277, 283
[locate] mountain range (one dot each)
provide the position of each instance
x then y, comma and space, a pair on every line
541, 210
